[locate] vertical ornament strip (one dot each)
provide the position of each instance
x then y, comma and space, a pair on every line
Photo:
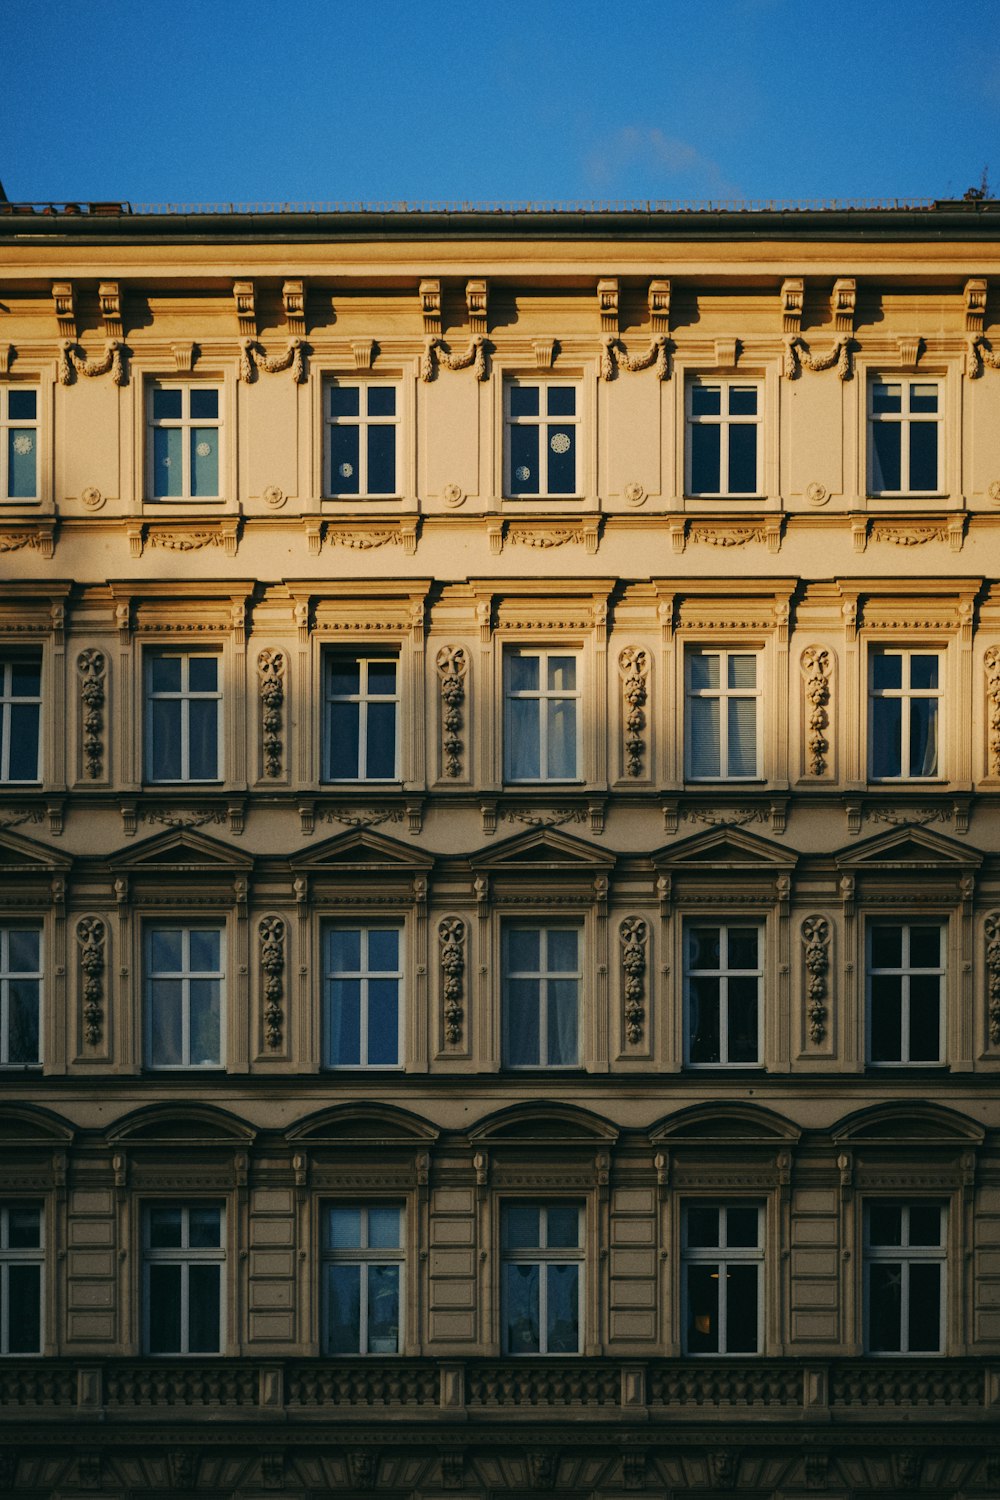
272, 962
451, 936
816, 942
452, 665
992, 929
991, 662
633, 665
271, 669
92, 667
633, 933
90, 934
815, 664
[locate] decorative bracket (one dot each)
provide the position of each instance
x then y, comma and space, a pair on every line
64, 301
658, 300
607, 304
246, 309
793, 291
845, 302
430, 307
976, 289
293, 300
110, 301
477, 303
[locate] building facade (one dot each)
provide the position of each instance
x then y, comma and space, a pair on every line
499, 853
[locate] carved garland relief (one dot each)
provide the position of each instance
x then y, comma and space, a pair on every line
71, 362
272, 963
271, 670
452, 665
816, 942
816, 669
991, 661
90, 934
634, 667
451, 936
92, 667
633, 934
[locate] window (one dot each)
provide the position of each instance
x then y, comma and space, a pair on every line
21, 1258
722, 977
903, 427
541, 438
363, 1015
184, 976
542, 1277
362, 1280
362, 420
20, 995
184, 1257
20, 719
185, 431
183, 716
724, 449
18, 442
905, 979
723, 1261
541, 983
541, 720
903, 714
362, 717
723, 714
904, 1278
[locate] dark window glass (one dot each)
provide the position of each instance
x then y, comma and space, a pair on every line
22, 406
741, 1309
345, 472
204, 404
886, 1017
925, 1307
886, 470
345, 401
742, 459
885, 1326
24, 1288
705, 441
703, 1309
524, 401
706, 400
381, 401
561, 401
381, 460
562, 460
923, 455
524, 476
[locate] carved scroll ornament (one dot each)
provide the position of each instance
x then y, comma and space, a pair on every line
991, 661
815, 664
798, 356
272, 963
634, 667
437, 354
72, 362
614, 356
816, 942
90, 934
253, 358
451, 936
633, 934
452, 664
92, 666
271, 671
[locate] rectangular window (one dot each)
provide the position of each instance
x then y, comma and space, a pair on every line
20, 995
183, 1261
723, 715
542, 1249
724, 448
904, 701
20, 719
541, 427
541, 718
18, 442
904, 1278
362, 1279
363, 983
185, 435
541, 985
903, 436
723, 1263
905, 990
183, 716
184, 979
361, 699
21, 1264
723, 975
362, 422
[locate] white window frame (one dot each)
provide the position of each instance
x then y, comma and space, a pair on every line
27, 1255
362, 422
7, 701
7, 976
185, 695
185, 422
185, 1256
906, 972
544, 1256
723, 421
724, 973
7, 423
542, 975
363, 1257
906, 694
364, 699
903, 420
364, 975
722, 1256
906, 1255
543, 421
543, 696
185, 976
723, 693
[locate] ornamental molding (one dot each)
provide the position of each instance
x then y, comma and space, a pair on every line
452, 665
451, 938
724, 817
614, 356
991, 662
816, 667
544, 537
816, 934
901, 817
8, 353
91, 935
991, 928
271, 934
980, 353
544, 817
167, 817
271, 679
799, 357
633, 665
92, 667
181, 538
40, 538
253, 359
633, 934
437, 355
71, 362
363, 538
715, 534
361, 817
915, 535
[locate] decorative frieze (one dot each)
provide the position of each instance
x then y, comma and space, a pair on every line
92, 666
816, 670
71, 362
634, 935
271, 675
815, 933
272, 962
253, 358
991, 661
452, 665
633, 664
451, 938
91, 935
436, 353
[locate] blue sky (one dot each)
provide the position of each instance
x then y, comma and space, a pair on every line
326, 100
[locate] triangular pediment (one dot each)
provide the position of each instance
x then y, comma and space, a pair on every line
544, 1125
363, 1125
726, 848
725, 1125
909, 847
363, 848
181, 1125
908, 1122
185, 850
30, 1125
22, 855
543, 849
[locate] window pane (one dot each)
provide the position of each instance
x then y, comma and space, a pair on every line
523, 1043
383, 1309
165, 1227
561, 674
923, 737
742, 737
203, 674
26, 679
167, 404
203, 750
743, 1029
887, 732
165, 674
383, 1023
345, 1228
743, 459
706, 400
563, 1288
702, 1226
885, 1224
923, 455
523, 673
521, 1309
925, 1018
742, 1226
168, 462
924, 669
925, 1307
925, 947
562, 1022
524, 401
204, 1286
344, 1309
23, 1018
923, 398
887, 398
383, 1228
742, 671
22, 447
345, 1023
742, 947
204, 1226
563, 1227
703, 947
24, 1288
204, 951
705, 747
22, 406
705, 441
164, 1309
703, 1001
886, 1018
24, 1228
165, 739
886, 473
887, 669
381, 400
204, 460
382, 678
562, 739
344, 729
742, 400
521, 1227
703, 670
23, 761
562, 460
885, 1306
383, 949
524, 476
380, 746
382, 460
204, 405
925, 1225
887, 947
741, 1309
165, 1023
562, 951
345, 466
562, 401
345, 950
205, 1022
703, 1309
523, 739
345, 401
523, 955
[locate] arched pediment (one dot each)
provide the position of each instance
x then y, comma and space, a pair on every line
543, 849
181, 1125
361, 849
363, 1125
183, 851
726, 848
909, 848
723, 1124
31, 1125
908, 1122
544, 1125
21, 856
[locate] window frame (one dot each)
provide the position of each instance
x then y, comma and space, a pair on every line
907, 972
184, 1255
363, 1256
362, 422
542, 695
724, 973
906, 694
185, 423
186, 926
20, 1256
543, 1256
907, 1255
723, 695
9, 424
365, 655
704, 379
364, 925
512, 381
902, 422
544, 926
723, 1256
9, 658
6, 976
185, 696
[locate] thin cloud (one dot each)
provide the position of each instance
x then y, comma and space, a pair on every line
638, 157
